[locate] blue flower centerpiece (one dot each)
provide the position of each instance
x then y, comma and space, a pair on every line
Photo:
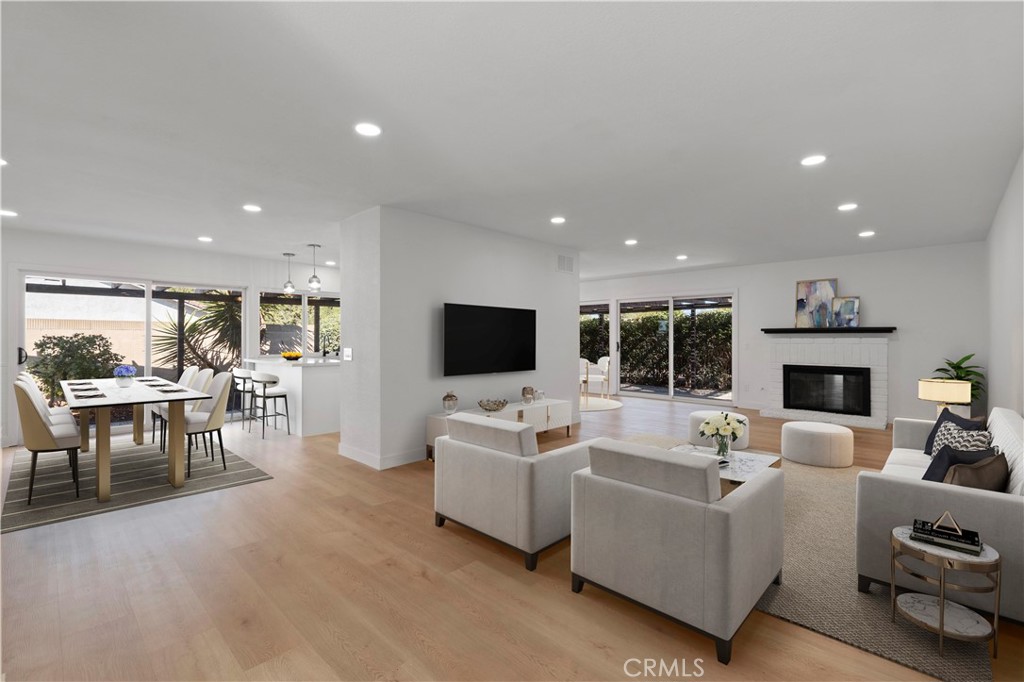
124, 375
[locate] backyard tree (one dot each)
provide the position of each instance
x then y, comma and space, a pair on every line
79, 356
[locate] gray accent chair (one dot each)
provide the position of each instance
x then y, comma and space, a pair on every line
489, 476
896, 496
651, 526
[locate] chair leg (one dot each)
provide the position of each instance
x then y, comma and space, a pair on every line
287, 417
189, 439
723, 648
74, 470
205, 449
220, 437
32, 476
153, 417
577, 583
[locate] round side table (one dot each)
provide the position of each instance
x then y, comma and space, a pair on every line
937, 614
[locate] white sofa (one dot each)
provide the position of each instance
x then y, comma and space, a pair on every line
489, 476
897, 495
651, 525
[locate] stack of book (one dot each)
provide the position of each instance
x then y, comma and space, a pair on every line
964, 541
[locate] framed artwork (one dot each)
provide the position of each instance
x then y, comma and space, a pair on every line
814, 302
846, 311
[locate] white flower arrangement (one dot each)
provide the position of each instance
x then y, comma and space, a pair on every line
723, 424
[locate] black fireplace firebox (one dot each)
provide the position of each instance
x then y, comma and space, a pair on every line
842, 390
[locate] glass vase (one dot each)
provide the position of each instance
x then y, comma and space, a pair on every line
723, 445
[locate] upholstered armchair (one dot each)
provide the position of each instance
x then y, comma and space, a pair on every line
651, 525
489, 476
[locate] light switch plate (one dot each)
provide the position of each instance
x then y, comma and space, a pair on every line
346, 354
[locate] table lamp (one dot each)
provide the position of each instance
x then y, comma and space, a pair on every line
945, 392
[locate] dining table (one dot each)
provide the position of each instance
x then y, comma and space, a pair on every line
98, 396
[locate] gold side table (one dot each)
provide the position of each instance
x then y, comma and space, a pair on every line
937, 614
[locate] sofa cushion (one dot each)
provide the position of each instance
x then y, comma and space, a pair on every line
903, 471
947, 457
1007, 429
497, 434
678, 473
960, 439
908, 457
990, 473
947, 416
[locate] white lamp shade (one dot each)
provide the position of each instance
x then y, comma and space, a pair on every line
944, 391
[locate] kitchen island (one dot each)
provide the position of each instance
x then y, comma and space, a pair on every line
314, 393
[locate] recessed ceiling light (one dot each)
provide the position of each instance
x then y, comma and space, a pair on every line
866, 233
2, 162
8, 214
630, 242
812, 160
205, 239
368, 129
558, 220
329, 262
252, 208
681, 257
846, 207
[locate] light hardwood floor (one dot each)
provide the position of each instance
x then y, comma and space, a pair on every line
335, 571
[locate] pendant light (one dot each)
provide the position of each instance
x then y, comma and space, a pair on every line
289, 288
314, 281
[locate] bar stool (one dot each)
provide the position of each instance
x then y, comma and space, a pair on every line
243, 385
265, 387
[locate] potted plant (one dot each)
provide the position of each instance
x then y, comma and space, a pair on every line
961, 371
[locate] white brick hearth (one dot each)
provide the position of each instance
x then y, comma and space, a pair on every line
832, 351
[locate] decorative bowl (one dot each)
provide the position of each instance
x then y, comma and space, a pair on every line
291, 356
492, 405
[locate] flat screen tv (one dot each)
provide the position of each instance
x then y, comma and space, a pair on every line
485, 340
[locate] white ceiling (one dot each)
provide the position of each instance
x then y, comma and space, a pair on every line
678, 124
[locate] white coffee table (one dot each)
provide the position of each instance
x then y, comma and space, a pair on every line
742, 466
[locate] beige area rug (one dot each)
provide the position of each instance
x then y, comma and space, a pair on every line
138, 475
598, 404
819, 582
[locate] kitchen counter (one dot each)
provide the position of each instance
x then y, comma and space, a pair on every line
314, 396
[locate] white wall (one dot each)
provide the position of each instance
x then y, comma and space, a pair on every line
34, 251
1006, 298
936, 297
424, 263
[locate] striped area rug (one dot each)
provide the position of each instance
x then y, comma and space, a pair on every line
138, 475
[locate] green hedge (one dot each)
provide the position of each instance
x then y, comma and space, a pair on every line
703, 348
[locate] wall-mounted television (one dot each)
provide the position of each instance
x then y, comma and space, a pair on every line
485, 340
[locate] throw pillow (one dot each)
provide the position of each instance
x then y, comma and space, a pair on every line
952, 435
947, 457
947, 416
991, 473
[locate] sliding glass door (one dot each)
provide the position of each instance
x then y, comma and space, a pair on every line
644, 347
702, 348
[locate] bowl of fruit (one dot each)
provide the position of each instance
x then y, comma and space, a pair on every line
291, 355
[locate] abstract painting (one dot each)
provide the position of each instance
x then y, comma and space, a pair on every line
846, 311
814, 302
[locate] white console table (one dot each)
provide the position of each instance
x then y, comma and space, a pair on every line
543, 415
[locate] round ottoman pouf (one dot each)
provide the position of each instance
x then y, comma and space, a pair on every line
817, 444
697, 418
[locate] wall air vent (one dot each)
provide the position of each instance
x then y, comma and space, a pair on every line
566, 264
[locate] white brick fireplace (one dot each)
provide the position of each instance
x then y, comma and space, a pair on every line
841, 350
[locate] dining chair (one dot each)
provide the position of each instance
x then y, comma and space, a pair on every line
57, 415
208, 418
184, 380
41, 435
584, 378
199, 382
266, 387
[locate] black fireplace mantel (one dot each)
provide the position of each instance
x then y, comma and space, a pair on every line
828, 330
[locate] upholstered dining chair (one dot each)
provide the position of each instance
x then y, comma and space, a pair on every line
208, 418
604, 364
184, 380
42, 435
200, 381
57, 415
